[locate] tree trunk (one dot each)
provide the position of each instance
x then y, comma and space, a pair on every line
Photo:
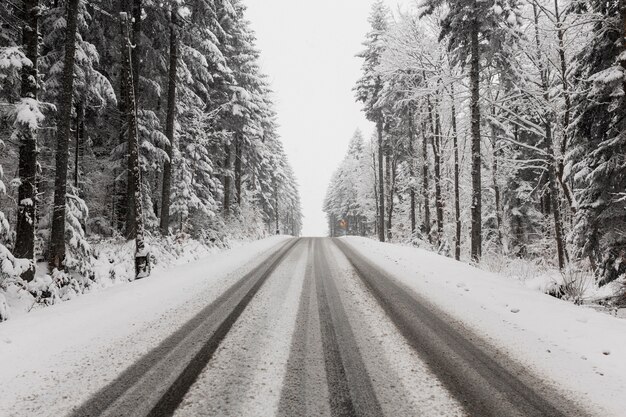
227, 164
389, 191
169, 124
57, 235
412, 173
567, 190
376, 201
142, 257
381, 182
436, 145
238, 173
123, 200
27, 165
80, 133
476, 241
552, 162
136, 23
457, 202
392, 162
496, 187
425, 186
554, 198
276, 217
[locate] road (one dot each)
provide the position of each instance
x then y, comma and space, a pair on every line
317, 330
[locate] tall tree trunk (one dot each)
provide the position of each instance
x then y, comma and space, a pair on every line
238, 171
567, 190
169, 124
392, 174
425, 185
227, 165
381, 182
136, 51
436, 145
476, 241
80, 133
389, 196
123, 199
412, 172
57, 235
457, 202
549, 147
142, 257
494, 178
276, 213
135, 10
376, 200
27, 165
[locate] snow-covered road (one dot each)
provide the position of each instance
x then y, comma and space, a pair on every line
306, 327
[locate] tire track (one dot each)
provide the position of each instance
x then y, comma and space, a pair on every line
483, 385
349, 387
155, 385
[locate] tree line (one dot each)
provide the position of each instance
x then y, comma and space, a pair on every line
499, 128
128, 118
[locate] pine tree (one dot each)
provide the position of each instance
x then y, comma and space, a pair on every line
597, 160
169, 125
368, 91
470, 26
57, 235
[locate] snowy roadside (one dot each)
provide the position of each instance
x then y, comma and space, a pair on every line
113, 265
54, 358
576, 349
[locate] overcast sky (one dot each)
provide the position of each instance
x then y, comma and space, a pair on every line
308, 51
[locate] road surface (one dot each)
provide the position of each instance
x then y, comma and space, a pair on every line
317, 330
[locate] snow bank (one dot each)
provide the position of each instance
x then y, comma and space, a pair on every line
113, 265
576, 349
70, 350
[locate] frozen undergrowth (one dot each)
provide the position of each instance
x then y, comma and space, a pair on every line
112, 265
575, 284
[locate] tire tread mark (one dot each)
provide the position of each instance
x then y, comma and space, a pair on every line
355, 395
101, 402
482, 385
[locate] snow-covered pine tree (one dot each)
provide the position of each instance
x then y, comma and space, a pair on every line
368, 91
474, 29
28, 117
596, 160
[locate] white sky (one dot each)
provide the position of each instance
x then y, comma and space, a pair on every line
308, 51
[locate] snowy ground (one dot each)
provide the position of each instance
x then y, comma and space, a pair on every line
53, 358
576, 349
113, 265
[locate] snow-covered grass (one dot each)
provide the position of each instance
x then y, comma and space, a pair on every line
54, 358
575, 348
575, 283
113, 265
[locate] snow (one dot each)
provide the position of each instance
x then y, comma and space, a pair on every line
403, 381
27, 113
72, 349
578, 350
245, 375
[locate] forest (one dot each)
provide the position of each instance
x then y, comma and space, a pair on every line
134, 125
499, 132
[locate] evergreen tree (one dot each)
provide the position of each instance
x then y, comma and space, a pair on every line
596, 161
368, 90
474, 29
